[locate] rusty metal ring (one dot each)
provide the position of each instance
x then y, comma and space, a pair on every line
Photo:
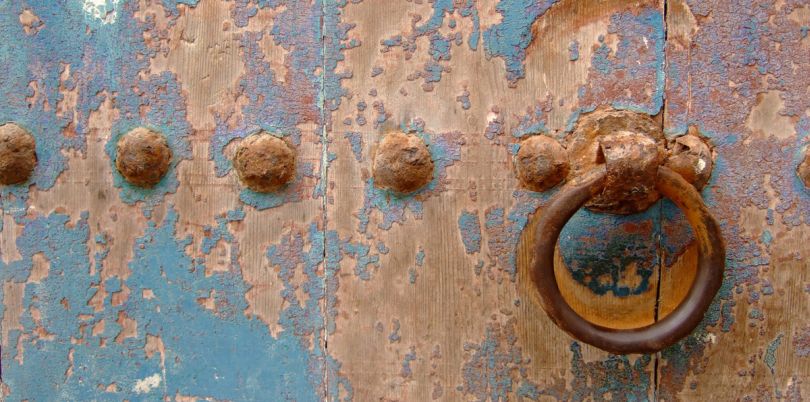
654, 337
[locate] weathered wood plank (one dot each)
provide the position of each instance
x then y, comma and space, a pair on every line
197, 289
737, 73
431, 304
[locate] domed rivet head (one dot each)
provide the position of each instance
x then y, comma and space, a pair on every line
143, 157
264, 162
541, 163
402, 163
804, 169
691, 157
17, 154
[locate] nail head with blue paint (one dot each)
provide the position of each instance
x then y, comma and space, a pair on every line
264, 162
143, 157
18, 156
804, 168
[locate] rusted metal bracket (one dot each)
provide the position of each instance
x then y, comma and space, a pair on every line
630, 145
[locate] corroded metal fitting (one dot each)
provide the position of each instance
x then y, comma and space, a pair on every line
632, 146
541, 163
143, 157
616, 138
17, 154
804, 168
402, 163
691, 157
264, 162
631, 161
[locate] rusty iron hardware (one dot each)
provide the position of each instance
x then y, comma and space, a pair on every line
402, 163
18, 156
264, 162
803, 171
143, 157
673, 327
541, 163
630, 144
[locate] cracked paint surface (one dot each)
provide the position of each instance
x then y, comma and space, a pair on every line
217, 292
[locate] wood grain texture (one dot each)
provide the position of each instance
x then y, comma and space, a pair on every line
435, 304
333, 290
737, 73
197, 289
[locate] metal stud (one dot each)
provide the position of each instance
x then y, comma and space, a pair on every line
143, 157
402, 163
541, 163
264, 162
17, 154
691, 157
804, 168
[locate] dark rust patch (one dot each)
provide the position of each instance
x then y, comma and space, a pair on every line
264, 162
143, 157
402, 163
17, 154
691, 157
541, 163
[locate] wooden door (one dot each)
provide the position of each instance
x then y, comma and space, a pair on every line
332, 288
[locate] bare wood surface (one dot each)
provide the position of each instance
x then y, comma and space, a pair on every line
460, 326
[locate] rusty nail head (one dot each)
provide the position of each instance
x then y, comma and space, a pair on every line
143, 157
691, 157
541, 163
402, 163
17, 154
264, 162
804, 168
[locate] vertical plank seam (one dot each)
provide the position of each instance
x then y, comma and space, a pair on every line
324, 216
661, 254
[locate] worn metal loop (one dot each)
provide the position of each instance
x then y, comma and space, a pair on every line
654, 337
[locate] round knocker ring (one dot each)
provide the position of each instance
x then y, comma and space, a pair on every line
665, 332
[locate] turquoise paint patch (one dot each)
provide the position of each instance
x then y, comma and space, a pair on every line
533, 122
356, 141
470, 229
615, 375
440, 45
227, 360
638, 64
573, 51
394, 336
505, 228
770, 353
360, 253
510, 38
598, 248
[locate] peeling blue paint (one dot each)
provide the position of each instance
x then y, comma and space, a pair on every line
573, 50
394, 336
770, 353
470, 229
510, 38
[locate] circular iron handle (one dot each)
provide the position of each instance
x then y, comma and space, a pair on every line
653, 337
